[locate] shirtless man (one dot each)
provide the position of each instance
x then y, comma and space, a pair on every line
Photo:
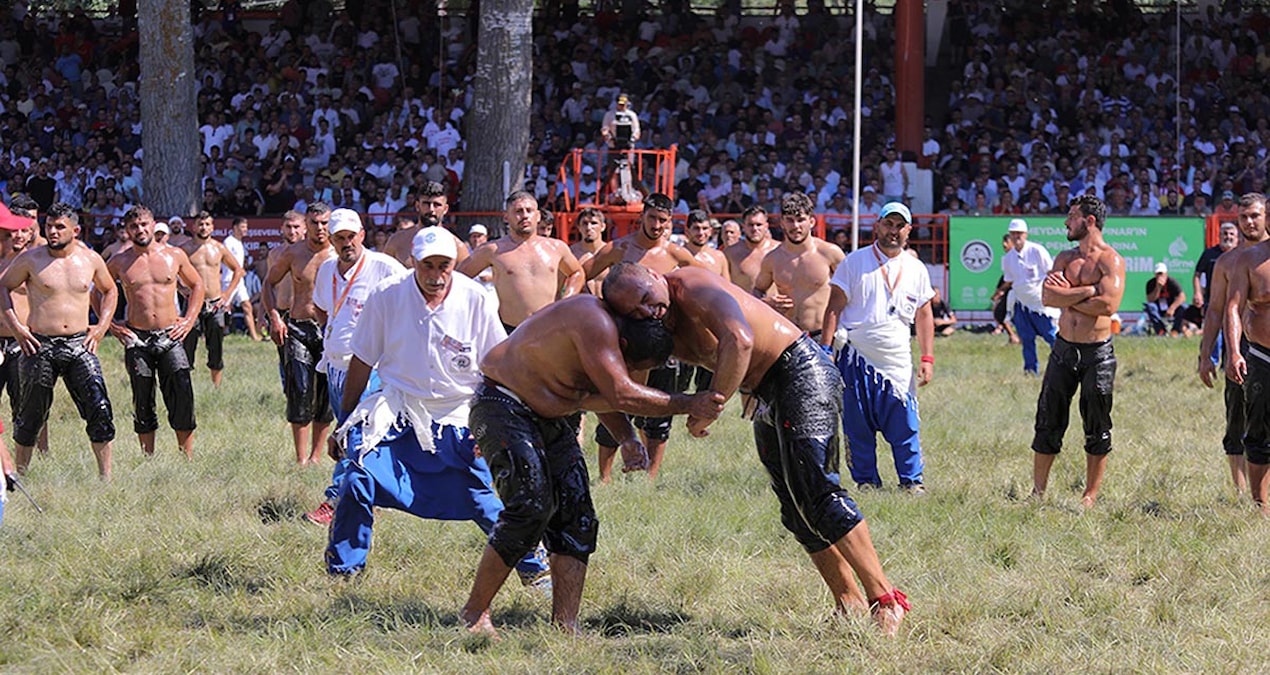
800, 267
590, 226
291, 230
699, 232
17, 232
207, 255
527, 267
120, 244
301, 335
177, 235
568, 357
1086, 284
152, 331
751, 347
649, 246
1248, 315
56, 338
432, 205
1252, 224
745, 258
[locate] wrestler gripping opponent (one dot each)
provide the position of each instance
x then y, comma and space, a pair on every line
57, 339
566, 357
152, 330
207, 256
305, 385
753, 348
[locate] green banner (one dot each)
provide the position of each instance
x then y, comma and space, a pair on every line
974, 247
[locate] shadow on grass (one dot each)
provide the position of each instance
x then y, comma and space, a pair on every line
623, 619
222, 574
278, 508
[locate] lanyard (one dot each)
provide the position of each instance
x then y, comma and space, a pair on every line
339, 302
886, 277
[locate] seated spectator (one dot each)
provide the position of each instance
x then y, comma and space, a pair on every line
1164, 305
945, 320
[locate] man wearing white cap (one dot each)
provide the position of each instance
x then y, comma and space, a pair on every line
340, 291
1165, 302
875, 294
408, 444
175, 230
1024, 268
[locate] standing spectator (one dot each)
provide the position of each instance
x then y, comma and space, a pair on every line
42, 187
1024, 268
895, 180
875, 295
238, 298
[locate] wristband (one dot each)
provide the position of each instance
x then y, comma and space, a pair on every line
927, 358
828, 349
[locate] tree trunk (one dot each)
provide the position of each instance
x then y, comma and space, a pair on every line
497, 130
172, 160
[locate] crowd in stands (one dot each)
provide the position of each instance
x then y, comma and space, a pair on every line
1044, 102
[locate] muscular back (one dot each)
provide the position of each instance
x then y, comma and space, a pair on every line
703, 307
744, 261
541, 362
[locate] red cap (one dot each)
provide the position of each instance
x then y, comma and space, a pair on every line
9, 221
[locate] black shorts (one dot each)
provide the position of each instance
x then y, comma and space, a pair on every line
1092, 368
63, 356
11, 372
305, 387
669, 379
1257, 405
540, 474
796, 434
211, 326
156, 355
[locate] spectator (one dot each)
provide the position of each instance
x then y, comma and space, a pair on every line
1164, 305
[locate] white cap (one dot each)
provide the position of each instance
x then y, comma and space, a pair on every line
176, 220
896, 207
162, 227
345, 220
1018, 225
1161, 268
434, 240
477, 229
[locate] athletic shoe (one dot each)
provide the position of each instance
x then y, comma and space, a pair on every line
915, 489
888, 611
322, 515
868, 487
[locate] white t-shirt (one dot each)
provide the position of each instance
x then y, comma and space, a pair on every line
329, 286
883, 296
1026, 270
430, 354
892, 178
239, 252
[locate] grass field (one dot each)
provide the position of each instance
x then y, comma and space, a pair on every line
207, 566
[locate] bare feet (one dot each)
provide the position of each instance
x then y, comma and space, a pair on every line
482, 626
889, 610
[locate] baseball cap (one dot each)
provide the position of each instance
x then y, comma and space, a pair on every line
345, 220
1018, 225
1228, 195
623, 98
176, 220
1161, 268
162, 227
434, 240
896, 207
11, 221
478, 229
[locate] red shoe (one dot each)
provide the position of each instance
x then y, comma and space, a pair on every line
322, 515
889, 610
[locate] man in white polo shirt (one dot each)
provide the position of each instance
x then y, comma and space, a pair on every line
875, 294
1024, 268
408, 444
339, 292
